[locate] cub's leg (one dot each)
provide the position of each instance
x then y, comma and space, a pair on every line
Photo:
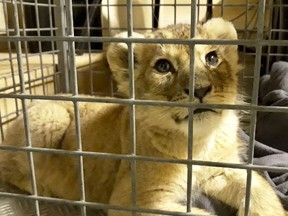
47, 125
230, 187
48, 122
155, 190
156, 200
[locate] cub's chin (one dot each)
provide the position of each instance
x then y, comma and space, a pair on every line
204, 121
199, 114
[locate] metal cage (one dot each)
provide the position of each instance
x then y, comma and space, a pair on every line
54, 46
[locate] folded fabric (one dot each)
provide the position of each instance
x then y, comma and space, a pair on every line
273, 91
211, 205
272, 128
278, 180
276, 79
268, 156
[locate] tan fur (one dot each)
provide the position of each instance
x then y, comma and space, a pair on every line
161, 132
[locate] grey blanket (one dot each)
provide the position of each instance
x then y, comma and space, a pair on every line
268, 156
272, 126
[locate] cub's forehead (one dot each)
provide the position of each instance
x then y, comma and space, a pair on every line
216, 28
179, 31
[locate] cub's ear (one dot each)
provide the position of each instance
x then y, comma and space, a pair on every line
218, 28
117, 57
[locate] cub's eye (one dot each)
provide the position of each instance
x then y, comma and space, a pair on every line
211, 59
164, 66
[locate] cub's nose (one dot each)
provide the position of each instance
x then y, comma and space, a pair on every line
200, 93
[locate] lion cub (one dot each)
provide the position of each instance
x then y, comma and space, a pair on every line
161, 73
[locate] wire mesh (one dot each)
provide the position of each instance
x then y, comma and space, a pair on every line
50, 47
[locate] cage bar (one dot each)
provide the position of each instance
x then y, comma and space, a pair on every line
65, 77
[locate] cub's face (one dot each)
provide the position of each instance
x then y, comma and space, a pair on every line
162, 72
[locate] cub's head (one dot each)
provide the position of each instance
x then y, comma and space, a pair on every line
162, 70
